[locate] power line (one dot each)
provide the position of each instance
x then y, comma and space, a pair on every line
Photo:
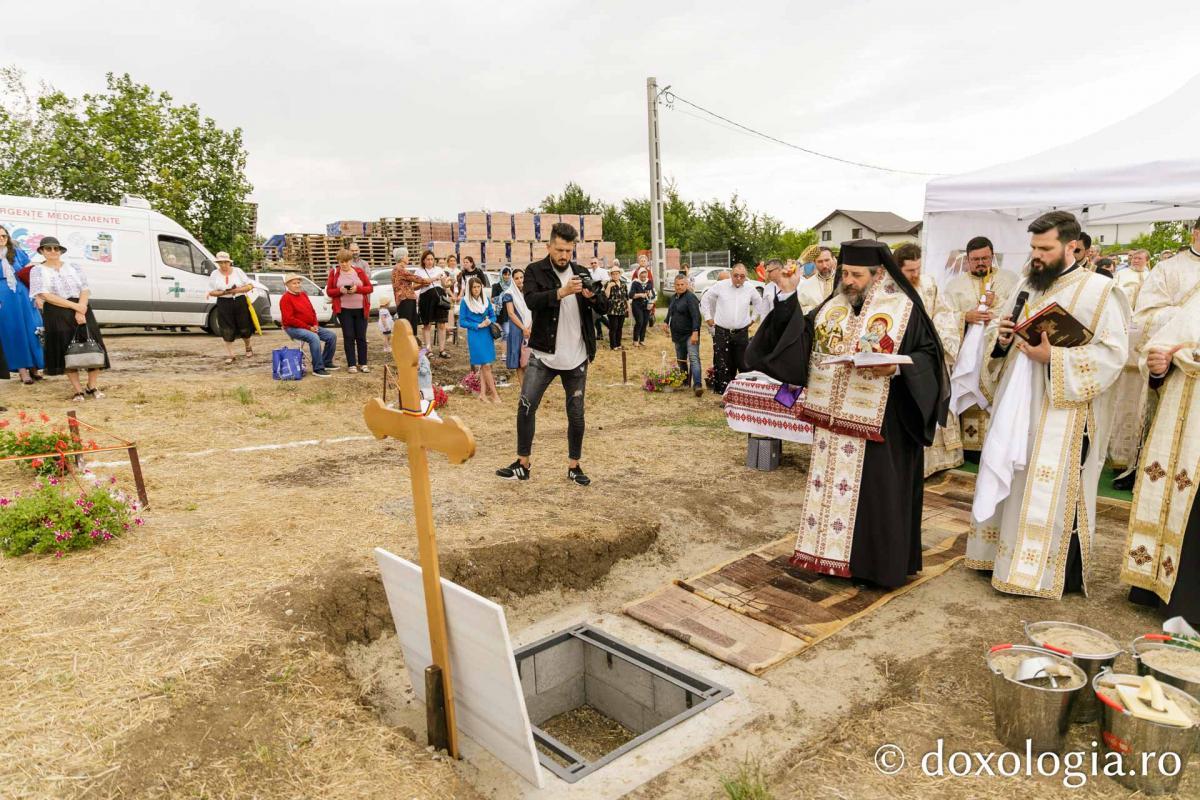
670, 98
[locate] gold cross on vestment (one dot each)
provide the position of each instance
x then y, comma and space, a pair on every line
422, 432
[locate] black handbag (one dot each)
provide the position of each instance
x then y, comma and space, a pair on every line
88, 354
497, 331
443, 299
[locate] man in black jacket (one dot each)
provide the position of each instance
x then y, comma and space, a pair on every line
683, 324
563, 342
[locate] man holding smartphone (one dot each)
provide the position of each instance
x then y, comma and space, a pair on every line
562, 342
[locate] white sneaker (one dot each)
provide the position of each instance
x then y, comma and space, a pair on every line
364, 368
351, 369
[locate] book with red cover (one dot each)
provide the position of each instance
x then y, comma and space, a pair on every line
1061, 329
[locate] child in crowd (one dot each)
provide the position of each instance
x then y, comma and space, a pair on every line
386, 324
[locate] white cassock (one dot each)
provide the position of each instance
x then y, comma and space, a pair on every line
1022, 532
813, 290
960, 295
1131, 386
946, 451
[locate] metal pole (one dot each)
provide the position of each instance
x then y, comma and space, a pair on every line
658, 243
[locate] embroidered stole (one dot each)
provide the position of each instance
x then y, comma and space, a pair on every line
845, 406
1052, 499
1166, 482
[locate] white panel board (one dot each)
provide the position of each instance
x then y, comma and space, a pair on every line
487, 691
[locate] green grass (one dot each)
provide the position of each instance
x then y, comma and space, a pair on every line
748, 784
243, 395
322, 396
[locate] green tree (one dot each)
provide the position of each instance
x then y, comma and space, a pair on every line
1165, 236
127, 139
573, 200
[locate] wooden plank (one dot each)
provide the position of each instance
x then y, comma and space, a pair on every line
726, 635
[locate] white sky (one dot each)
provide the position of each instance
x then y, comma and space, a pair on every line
357, 110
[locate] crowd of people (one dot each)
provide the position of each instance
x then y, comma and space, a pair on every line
1042, 410
47, 327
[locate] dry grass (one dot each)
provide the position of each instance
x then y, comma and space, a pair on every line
107, 652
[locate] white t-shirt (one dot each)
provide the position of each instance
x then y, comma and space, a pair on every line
435, 275
569, 348
219, 283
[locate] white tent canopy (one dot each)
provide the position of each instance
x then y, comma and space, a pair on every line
1143, 169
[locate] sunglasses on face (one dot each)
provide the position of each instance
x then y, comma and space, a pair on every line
52, 249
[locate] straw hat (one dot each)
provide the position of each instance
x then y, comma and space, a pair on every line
222, 256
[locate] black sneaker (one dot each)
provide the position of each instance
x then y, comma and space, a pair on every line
576, 474
515, 471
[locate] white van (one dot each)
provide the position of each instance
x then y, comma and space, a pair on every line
143, 268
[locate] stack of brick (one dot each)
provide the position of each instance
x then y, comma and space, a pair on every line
472, 226
472, 249
585, 251
592, 226
500, 226
519, 253
495, 253
346, 227
607, 253
525, 227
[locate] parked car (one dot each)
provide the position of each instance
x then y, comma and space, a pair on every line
274, 283
705, 279
143, 268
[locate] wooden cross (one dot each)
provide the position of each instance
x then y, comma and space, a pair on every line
421, 432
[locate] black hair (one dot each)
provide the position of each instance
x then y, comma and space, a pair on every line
980, 242
825, 249
1104, 262
10, 251
1063, 222
773, 262
909, 251
564, 231
1086, 239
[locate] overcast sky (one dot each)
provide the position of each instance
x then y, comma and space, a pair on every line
357, 110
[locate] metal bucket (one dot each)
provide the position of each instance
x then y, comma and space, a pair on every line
1026, 712
1153, 641
1122, 732
1087, 708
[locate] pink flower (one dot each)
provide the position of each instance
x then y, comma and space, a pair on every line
58, 553
53, 481
112, 479
107, 536
139, 521
3, 501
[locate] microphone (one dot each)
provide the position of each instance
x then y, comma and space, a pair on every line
999, 351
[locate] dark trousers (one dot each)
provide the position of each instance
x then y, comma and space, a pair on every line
616, 327
729, 355
354, 335
538, 378
600, 327
641, 321
407, 309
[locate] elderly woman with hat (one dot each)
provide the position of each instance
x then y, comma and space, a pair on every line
230, 286
63, 290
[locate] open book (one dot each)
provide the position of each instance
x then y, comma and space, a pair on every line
868, 359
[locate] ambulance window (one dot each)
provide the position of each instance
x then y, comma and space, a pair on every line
201, 263
175, 253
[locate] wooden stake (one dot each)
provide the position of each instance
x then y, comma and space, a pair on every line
73, 424
422, 432
624, 369
136, 465
435, 708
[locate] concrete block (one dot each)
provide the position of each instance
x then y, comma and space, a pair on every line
622, 676
614, 703
525, 669
562, 698
669, 699
558, 664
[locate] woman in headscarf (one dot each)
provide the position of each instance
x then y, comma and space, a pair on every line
19, 320
516, 354
477, 315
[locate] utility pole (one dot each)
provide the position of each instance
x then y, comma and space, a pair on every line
658, 240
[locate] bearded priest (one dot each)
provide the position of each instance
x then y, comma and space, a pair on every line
861, 513
1034, 510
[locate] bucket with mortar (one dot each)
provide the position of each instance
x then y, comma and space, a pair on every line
1087, 708
1166, 747
1038, 711
1164, 641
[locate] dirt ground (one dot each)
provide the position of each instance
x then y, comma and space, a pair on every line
233, 646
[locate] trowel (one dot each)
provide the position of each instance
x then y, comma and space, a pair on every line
1147, 701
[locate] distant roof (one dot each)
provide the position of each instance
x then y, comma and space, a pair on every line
878, 221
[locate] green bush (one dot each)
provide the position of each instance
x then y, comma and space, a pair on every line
57, 517
27, 438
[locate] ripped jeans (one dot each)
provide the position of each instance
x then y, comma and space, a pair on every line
538, 378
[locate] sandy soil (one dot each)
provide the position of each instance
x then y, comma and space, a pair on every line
236, 645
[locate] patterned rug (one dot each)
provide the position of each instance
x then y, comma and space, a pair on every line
756, 611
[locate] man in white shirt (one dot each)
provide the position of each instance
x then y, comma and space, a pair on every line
729, 307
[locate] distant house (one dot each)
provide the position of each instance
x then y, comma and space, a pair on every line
843, 226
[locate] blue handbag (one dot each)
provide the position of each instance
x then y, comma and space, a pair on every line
287, 364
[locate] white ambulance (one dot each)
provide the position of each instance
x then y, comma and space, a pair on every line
143, 268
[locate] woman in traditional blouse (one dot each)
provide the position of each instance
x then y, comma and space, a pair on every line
63, 289
19, 320
641, 292
618, 306
230, 285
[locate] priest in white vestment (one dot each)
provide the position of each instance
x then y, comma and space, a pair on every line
816, 287
946, 452
978, 296
1131, 386
1035, 498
